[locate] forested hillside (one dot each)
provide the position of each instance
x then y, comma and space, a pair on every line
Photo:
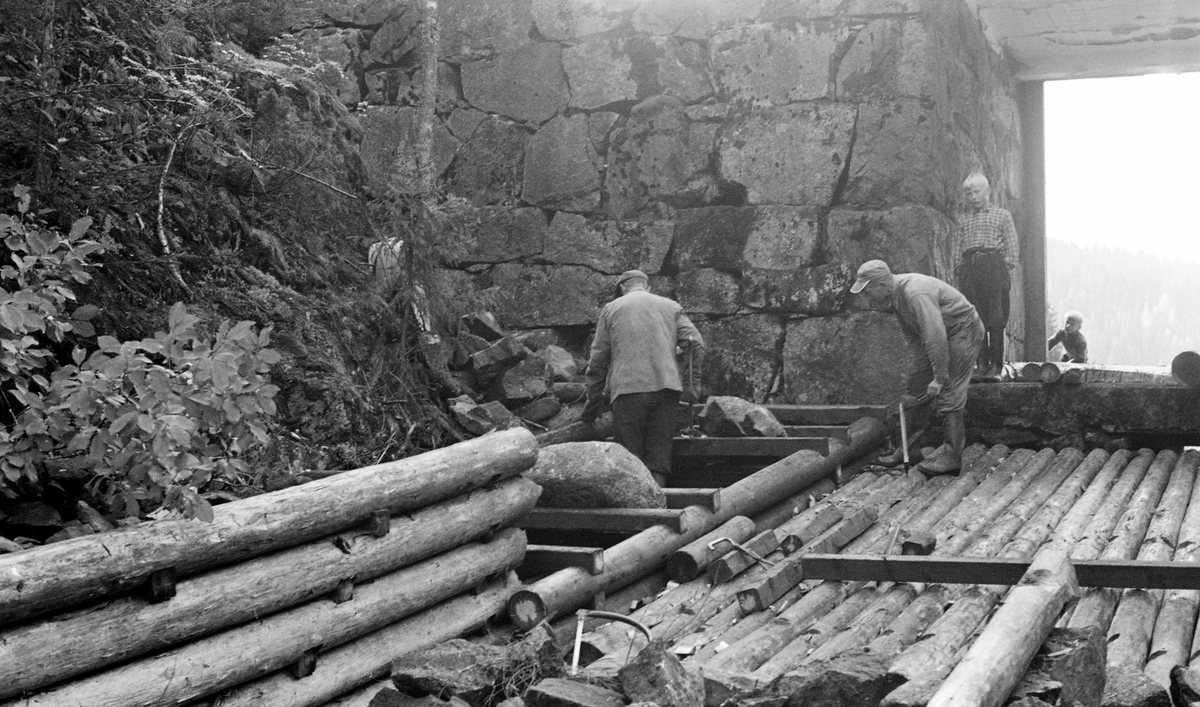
1138, 308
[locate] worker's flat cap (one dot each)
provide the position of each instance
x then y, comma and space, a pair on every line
630, 275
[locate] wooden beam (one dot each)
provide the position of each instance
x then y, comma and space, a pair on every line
541, 560
774, 447
620, 520
826, 414
684, 497
1126, 574
836, 431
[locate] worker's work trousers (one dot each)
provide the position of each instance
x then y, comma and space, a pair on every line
645, 423
964, 348
983, 279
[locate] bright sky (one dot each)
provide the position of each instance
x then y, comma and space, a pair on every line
1123, 163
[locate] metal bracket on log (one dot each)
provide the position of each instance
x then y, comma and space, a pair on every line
734, 563
305, 665
785, 575
380, 523
919, 544
343, 592
160, 585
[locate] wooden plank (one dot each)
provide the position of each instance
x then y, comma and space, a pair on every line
541, 560
772, 447
684, 497
1125, 574
836, 431
621, 520
826, 414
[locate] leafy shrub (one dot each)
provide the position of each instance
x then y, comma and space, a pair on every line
149, 424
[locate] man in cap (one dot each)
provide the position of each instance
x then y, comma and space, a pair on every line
987, 244
633, 362
944, 335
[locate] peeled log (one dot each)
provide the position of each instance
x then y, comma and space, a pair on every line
359, 662
686, 563
37, 654
570, 589
252, 650
1186, 368
596, 431
86, 568
1133, 622
997, 660
1173, 631
1098, 604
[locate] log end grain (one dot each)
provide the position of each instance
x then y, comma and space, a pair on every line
526, 609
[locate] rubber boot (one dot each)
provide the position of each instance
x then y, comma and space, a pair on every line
947, 459
994, 352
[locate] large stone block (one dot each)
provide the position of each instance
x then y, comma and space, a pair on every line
526, 84
769, 65
398, 35
708, 291
487, 169
650, 159
902, 154
909, 238
594, 475
859, 358
608, 246
782, 237
672, 66
711, 237
474, 28
563, 20
560, 166
888, 58
694, 19
812, 291
789, 155
503, 234
543, 296
741, 355
389, 147
599, 72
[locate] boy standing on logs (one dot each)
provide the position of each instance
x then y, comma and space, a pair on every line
1073, 342
944, 336
633, 359
987, 243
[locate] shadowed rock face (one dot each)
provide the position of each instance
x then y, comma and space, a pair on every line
747, 154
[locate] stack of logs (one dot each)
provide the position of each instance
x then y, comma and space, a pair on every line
290, 598
1054, 373
767, 627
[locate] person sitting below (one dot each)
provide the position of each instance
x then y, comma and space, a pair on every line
1073, 342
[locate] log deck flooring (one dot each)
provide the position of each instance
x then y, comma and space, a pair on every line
1130, 521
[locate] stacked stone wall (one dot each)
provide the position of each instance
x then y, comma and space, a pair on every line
748, 154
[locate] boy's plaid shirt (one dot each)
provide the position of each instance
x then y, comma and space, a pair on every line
990, 227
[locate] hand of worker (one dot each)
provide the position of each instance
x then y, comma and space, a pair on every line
591, 409
934, 389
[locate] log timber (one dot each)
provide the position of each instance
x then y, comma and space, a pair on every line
567, 590
1097, 605
75, 571
1133, 622
358, 663
247, 652
997, 660
38, 653
1173, 630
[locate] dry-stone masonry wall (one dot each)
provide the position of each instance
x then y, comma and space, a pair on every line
748, 154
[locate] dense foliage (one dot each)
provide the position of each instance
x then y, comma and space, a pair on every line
146, 424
